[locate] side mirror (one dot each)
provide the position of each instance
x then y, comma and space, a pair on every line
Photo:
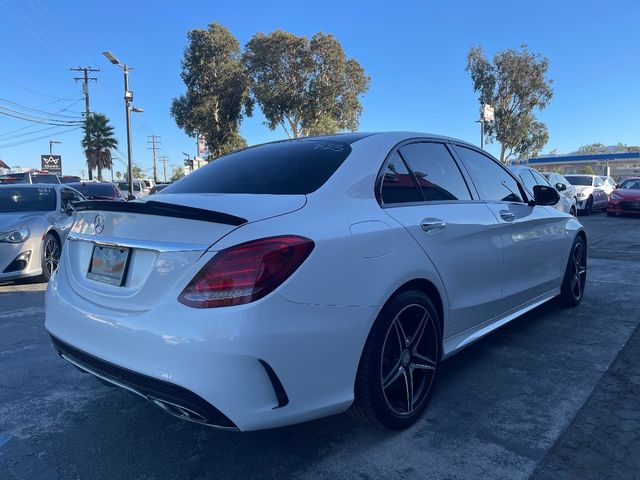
561, 187
69, 210
546, 196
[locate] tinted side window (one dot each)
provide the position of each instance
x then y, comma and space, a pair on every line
398, 185
492, 180
436, 171
598, 182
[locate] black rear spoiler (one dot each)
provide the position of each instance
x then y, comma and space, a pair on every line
161, 209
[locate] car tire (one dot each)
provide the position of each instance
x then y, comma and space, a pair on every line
49, 256
588, 208
396, 375
575, 275
573, 211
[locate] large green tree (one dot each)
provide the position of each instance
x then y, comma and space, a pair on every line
217, 90
515, 83
97, 142
307, 87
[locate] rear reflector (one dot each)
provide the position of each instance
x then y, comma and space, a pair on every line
246, 272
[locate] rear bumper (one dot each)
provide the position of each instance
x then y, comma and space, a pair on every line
262, 365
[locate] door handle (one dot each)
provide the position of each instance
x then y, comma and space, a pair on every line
432, 225
507, 216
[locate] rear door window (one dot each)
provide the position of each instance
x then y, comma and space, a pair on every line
491, 179
435, 171
398, 185
285, 168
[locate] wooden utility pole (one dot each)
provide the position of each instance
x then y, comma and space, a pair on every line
85, 90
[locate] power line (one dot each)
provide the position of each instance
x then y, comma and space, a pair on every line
23, 142
33, 125
50, 114
34, 119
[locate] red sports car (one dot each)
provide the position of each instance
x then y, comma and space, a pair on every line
625, 198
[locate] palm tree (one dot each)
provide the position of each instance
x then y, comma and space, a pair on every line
97, 143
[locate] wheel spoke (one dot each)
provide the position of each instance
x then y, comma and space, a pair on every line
415, 340
393, 375
423, 363
408, 381
402, 337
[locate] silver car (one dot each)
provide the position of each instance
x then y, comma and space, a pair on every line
530, 177
34, 222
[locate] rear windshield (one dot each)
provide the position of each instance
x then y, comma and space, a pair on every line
286, 168
27, 199
124, 186
45, 178
92, 190
573, 180
13, 178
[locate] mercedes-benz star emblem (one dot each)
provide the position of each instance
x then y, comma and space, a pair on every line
98, 223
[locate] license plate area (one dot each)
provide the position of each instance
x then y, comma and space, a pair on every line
109, 264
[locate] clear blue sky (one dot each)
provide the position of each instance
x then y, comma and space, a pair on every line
415, 53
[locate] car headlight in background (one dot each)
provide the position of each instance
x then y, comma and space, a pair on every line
15, 236
581, 194
615, 196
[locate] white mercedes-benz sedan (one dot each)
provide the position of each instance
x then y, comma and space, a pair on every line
299, 279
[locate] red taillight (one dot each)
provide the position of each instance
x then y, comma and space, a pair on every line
246, 272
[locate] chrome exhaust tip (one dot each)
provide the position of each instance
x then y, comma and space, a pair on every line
177, 410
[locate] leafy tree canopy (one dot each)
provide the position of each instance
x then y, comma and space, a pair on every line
592, 149
178, 173
515, 84
217, 90
308, 87
97, 142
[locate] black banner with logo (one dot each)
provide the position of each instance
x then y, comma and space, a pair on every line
53, 163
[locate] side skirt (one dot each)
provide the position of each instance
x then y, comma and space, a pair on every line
454, 344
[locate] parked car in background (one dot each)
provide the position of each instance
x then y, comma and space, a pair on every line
625, 198
70, 179
530, 177
149, 182
366, 259
158, 187
99, 191
609, 184
562, 185
30, 177
140, 189
34, 223
589, 192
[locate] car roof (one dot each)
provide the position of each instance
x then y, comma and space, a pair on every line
56, 186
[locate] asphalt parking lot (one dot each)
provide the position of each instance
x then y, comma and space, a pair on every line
535, 399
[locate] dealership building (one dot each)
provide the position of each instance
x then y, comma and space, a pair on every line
612, 164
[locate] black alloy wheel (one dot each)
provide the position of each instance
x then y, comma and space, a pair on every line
50, 256
400, 362
589, 206
575, 277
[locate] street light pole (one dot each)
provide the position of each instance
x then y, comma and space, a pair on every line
128, 97
127, 105
51, 142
